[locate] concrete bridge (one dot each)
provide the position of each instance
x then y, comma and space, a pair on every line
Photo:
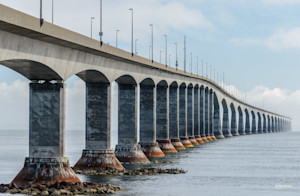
176, 109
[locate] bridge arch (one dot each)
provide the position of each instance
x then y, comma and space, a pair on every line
32, 70
265, 130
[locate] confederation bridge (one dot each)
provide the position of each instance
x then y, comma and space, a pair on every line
176, 110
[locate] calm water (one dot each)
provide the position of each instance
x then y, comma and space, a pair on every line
259, 165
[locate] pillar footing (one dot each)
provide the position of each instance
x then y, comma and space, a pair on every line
131, 154
177, 144
151, 149
166, 146
220, 137
98, 159
205, 139
186, 142
209, 138
228, 135
45, 171
236, 134
213, 137
199, 139
193, 140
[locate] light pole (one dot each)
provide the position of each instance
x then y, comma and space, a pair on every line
151, 25
136, 46
101, 32
176, 60
131, 9
160, 56
170, 59
92, 18
150, 52
117, 31
41, 13
166, 50
206, 71
52, 11
202, 67
191, 63
184, 53
197, 66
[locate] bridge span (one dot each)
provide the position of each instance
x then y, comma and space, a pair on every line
177, 110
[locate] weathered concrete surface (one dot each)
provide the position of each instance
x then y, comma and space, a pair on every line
97, 116
234, 128
46, 120
241, 122
45, 171
151, 149
247, 128
148, 122
166, 146
161, 113
226, 130
177, 144
128, 150
98, 159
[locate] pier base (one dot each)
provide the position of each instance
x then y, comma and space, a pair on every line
193, 140
213, 137
177, 144
131, 154
209, 138
151, 149
204, 138
45, 171
166, 146
98, 159
199, 139
186, 142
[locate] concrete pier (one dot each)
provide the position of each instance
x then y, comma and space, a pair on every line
202, 114
259, 123
183, 116
97, 153
225, 126
190, 115
264, 124
46, 162
197, 132
234, 128
174, 117
254, 129
162, 118
247, 128
241, 122
128, 150
211, 115
217, 121
148, 120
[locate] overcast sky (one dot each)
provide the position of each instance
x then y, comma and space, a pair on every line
256, 43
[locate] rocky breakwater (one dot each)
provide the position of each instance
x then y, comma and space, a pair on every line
60, 188
143, 171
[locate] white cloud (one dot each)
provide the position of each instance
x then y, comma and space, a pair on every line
280, 2
282, 39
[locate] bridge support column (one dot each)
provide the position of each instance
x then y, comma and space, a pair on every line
234, 130
97, 153
241, 122
162, 121
211, 116
128, 150
190, 116
183, 117
202, 115
148, 122
197, 116
174, 116
46, 162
